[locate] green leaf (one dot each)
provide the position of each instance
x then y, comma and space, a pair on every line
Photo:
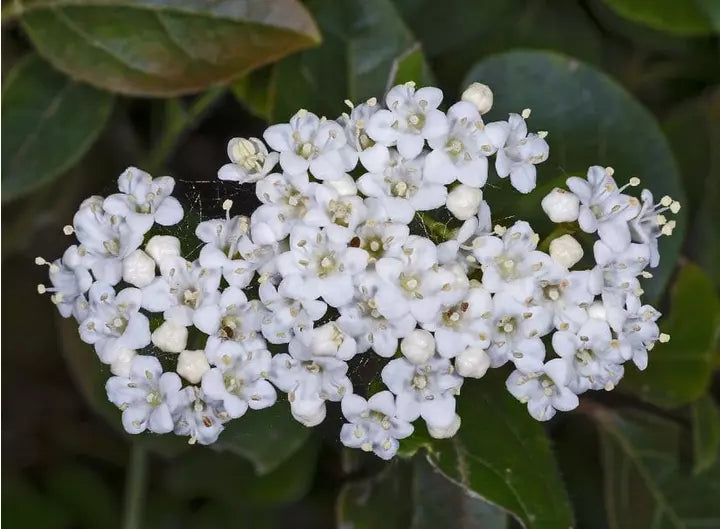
362, 39
49, 122
161, 48
265, 437
705, 417
411, 66
502, 455
30, 508
413, 495
591, 121
647, 483
687, 18
679, 371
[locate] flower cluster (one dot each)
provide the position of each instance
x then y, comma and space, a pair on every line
337, 262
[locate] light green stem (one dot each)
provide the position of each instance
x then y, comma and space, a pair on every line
135, 488
178, 121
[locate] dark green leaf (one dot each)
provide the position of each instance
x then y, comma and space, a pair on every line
159, 47
646, 482
686, 18
49, 122
411, 66
265, 437
502, 455
25, 507
706, 433
591, 121
679, 371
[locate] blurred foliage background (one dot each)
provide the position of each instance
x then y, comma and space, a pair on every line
92, 87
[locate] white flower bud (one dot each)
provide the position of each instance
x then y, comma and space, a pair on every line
561, 205
479, 95
566, 250
418, 346
192, 365
170, 337
308, 412
447, 431
326, 340
344, 185
161, 246
121, 366
138, 269
473, 362
464, 201
597, 310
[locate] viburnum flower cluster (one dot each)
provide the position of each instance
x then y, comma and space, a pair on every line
339, 261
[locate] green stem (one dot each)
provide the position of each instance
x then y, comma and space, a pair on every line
178, 121
135, 487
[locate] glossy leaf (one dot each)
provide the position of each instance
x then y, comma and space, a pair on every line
265, 437
592, 121
686, 18
49, 122
411, 66
502, 455
158, 47
705, 417
679, 371
647, 483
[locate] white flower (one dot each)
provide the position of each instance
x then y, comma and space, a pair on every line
418, 346
561, 206
380, 238
566, 250
373, 425
202, 418
286, 199
310, 143
479, 95
341, 213
400, 187
544, 390
231, 317
603, 208
426, 390
517, 331
445, 432
464, 201
149, 399
170, 337
114, 322
650, 223
181, 289
518, 153
473, 362
326, 265
144, 200
362, 320
160, 247
70, 280
465, 323
565, 294
595, 356
411, 117
243, 384
138, 269
330, 340
121, 366
461, 153
192, 365
414, 283
359, 144
292, 312
250, 161
105, 240
639, 331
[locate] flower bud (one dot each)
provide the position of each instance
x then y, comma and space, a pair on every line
597, 310
345, 185
479, 95
418, 346
464, 201
308, 412
161, 246
121, 366
170, 337
447, 431
473, 362
326, 340
561, 205
566, 250
192, 365
138, 269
